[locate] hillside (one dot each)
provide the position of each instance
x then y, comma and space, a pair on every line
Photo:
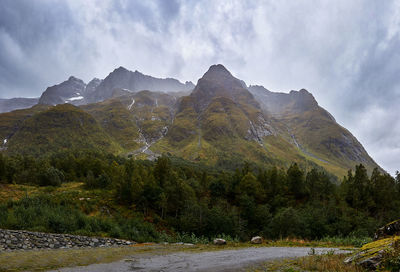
59, 128
311, 129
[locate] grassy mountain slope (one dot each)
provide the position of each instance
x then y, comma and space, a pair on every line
11, 122
63, 127
312, 130
135, 120
117, 121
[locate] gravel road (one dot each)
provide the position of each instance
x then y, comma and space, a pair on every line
224, 260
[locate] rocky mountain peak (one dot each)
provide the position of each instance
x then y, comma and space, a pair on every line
68, 91
94, 81
124, 79
75, 79
92, 85
304, 98
121, 69
217, 70
219, 82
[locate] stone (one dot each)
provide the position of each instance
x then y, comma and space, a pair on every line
390, 229
256, 240
219, 241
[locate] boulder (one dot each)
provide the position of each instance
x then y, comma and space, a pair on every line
390, 229
256, 240
219, 241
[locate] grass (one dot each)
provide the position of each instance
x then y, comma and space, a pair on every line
327, 263
41, 260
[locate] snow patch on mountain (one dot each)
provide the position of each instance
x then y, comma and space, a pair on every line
74, 99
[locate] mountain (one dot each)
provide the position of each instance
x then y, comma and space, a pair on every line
219, 117
7, 105
312, 129
75, 91
222, 122
122, 78
70, 91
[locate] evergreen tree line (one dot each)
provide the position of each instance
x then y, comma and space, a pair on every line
191, 198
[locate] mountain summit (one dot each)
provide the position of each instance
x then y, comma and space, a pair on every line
219, 82
121, 78
71, 90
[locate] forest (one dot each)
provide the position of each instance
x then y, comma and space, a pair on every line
150, 201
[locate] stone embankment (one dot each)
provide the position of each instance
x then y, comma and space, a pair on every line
25, 240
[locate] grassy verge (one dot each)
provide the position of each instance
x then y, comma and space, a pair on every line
327, 263
326, 242
42, 260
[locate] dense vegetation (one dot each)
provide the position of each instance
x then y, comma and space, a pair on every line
150, 199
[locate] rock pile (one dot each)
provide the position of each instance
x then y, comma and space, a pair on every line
20, 239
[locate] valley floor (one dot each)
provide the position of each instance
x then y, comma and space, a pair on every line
153, 258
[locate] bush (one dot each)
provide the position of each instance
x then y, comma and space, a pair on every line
391, 258
51, 177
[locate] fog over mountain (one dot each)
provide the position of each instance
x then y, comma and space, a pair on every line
345, 53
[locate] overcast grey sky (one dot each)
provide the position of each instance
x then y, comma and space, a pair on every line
347, 53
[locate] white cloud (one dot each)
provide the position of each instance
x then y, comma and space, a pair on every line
344, 52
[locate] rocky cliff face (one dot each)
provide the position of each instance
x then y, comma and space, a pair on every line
92, 85
75, 91
122, 78
70, 91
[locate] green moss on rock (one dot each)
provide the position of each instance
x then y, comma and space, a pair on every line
370, 255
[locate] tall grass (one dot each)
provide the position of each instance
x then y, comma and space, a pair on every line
347, 241
327, 262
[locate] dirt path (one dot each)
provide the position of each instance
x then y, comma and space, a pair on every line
224, 260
